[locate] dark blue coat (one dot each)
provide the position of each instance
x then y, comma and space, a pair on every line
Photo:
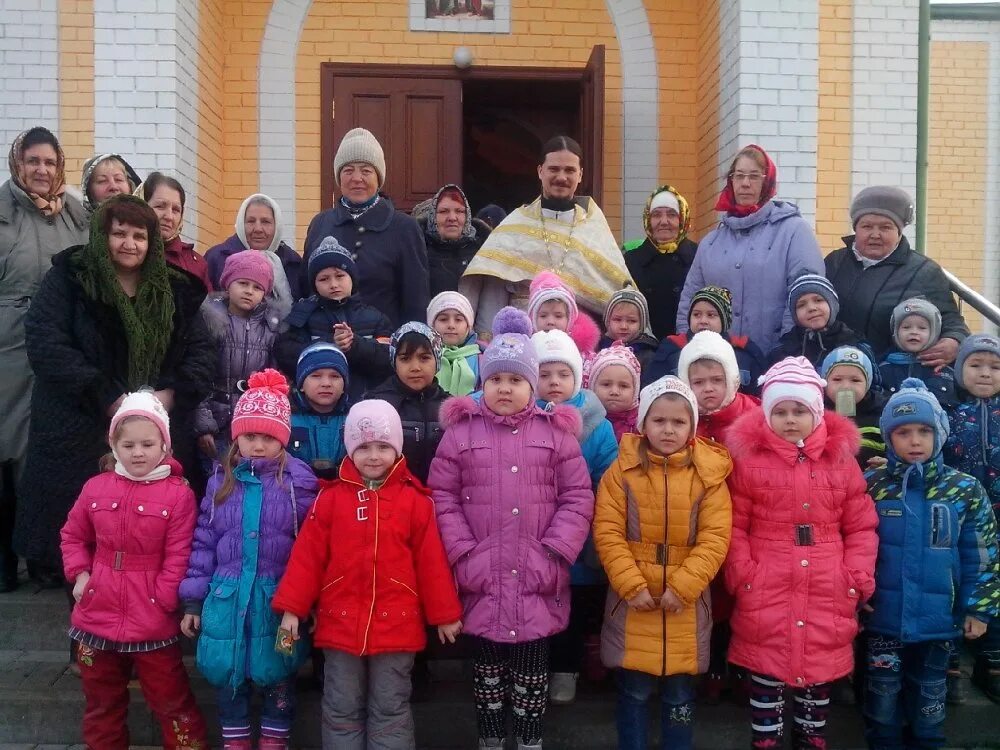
749, 358
974, 443
898, 366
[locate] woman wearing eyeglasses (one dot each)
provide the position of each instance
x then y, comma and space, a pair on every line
757, 250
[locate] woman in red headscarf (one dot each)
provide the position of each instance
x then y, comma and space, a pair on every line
757, 250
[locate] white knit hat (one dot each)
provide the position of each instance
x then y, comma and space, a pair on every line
666, 384
142, 404
710, 345
360, 145
664, 199
557, 346
450, 301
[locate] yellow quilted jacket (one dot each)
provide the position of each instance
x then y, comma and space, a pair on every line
665, 526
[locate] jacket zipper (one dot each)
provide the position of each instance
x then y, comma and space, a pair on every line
371, 609
666, 531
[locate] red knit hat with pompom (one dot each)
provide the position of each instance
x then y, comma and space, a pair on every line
264, 408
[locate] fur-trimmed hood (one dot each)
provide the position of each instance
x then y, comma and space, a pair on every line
563, 417
835, 439
585, 332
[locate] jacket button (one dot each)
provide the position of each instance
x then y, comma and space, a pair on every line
804, 563
799, 680
115, 505
513, 470
152, 600
93, 505
252, 535
852, 592
514, 431
139, 509
357, 244
164, 514
361, 230
746, 586
91, 592
805, 506
513, 633
800, 624
513, 572
218, 591
385, 614
739, 265
515, 512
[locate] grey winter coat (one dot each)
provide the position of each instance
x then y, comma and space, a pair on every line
28, 242
755, 257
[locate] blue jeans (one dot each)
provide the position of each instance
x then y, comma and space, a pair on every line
276, 714
905, 691
677, 710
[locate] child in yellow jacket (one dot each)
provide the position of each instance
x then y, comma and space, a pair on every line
661, 528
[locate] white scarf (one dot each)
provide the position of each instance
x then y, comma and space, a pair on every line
160, 472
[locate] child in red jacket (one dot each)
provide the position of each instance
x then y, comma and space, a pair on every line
370, 564
802, 556
125, 548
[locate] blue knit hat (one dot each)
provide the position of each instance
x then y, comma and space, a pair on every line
979, 342
914, 404
852, 357
331, 254
813, 283
320, 355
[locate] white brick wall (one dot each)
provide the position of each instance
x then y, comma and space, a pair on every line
885, 95
29, 68
145, 87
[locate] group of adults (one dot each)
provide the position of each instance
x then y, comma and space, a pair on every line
100, 296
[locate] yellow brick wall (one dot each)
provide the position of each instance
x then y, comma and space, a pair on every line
76, 84
833, 158
707, 112
956, 176
213, 223
378, 32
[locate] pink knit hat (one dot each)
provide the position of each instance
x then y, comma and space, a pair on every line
546, 287
142, 404
616, 355
793, 379
250, 265
372, 421
264, 408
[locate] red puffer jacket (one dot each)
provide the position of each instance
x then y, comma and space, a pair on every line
371, 564
135, 539
802, 556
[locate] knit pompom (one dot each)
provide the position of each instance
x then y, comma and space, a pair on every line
511, 320
546, 280
270, 379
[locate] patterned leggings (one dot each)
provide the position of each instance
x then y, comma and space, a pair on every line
767, 706
514, 674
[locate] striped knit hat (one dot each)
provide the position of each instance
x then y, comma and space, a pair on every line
616, 355
793, 379
718, 297
814, 283
634, 297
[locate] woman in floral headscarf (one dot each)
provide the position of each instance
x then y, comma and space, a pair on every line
37, 220
660, 263
757, 250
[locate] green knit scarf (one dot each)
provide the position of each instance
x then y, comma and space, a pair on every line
148, 317
456, 377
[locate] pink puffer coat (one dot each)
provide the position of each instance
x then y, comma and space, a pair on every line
514, 504
135, 539
796, 602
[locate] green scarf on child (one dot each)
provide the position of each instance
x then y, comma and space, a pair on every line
456, 376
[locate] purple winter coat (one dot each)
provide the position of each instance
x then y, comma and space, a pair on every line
514, 504
756, 257
218, 537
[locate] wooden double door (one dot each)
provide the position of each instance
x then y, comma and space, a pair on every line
440, 124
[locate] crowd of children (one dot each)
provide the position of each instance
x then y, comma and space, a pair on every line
551, 495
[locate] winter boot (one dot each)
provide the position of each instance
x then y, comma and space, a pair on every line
490, 742
986, 679
522, 746
562, 687
711, 689
957, 692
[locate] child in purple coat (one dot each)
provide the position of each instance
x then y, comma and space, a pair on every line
514, 503
256, 502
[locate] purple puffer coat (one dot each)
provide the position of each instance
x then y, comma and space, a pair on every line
756, 257
218, 537
514, 504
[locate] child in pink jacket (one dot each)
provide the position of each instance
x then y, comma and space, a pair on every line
125, 548
514, 504
802, 556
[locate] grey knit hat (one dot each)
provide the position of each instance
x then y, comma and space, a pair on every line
814, 283
916, 306
360, 145
978, 342
885, 200
634, 297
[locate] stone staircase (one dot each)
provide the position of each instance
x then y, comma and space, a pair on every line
41, 702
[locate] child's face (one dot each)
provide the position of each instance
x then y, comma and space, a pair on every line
708, 381
846, 378
624, 322
256, 445
506, 393
452, 326
552, 315
374, 460
792, 421
615, 388
244, 296
913, 443
323, 389
914, 333
812, 312
334, 283
416, 368
981, 374
555, 382
667, 425
139, 447
704, 317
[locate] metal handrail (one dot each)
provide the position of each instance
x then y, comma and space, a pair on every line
973, 298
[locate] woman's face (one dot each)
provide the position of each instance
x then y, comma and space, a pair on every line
259, 226
358, 181
107, 179
876, 236
451, 216
166, 204
664, 224
127, 246
41, 163
748, 179
560, 174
